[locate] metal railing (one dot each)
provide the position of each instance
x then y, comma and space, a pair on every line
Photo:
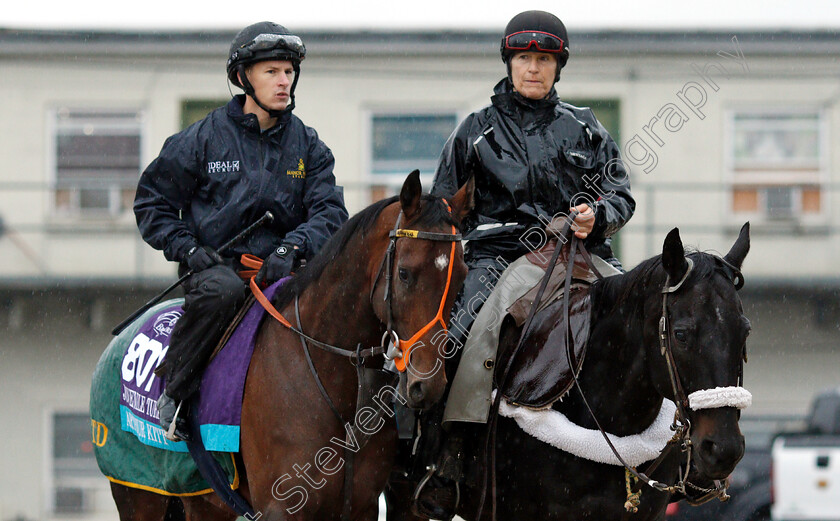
28, 219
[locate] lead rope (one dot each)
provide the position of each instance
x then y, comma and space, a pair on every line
633, 498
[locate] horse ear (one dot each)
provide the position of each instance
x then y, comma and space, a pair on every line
741, 247
464, 200
673, 256
410, 195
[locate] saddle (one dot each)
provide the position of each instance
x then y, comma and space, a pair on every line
545, 368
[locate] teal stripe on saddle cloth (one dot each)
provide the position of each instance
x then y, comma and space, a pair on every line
119, 453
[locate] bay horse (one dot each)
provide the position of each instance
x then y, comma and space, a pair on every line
674, 309
371, 283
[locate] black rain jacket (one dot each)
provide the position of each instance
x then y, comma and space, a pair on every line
532, 160
221, 174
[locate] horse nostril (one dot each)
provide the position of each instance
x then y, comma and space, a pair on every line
723, 454
416, 392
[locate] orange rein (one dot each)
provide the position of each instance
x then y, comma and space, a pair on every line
404, 346
255, 263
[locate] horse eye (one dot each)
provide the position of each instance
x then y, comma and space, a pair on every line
404, 275
680, 335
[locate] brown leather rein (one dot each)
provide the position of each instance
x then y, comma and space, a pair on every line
681, 425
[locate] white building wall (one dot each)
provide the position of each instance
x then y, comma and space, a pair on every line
337, 95
46, 366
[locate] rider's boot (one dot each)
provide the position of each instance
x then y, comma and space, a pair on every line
173, 418
438, 494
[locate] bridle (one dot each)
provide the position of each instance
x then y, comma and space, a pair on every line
403, 348
734, 396
358, 356
400, 351
682, 425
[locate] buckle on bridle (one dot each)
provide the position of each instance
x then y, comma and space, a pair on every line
392, 349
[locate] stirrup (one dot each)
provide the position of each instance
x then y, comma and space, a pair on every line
416, 502
430, 471
174, 433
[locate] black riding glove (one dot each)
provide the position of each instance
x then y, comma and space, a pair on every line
200, 258
277, 265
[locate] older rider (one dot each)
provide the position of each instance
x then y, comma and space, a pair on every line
533, 158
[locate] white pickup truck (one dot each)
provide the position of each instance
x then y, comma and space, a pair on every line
806, 466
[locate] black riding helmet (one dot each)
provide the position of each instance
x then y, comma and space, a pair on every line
536, 31
260, 42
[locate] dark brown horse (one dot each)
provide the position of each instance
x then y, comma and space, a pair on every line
391, 272
624, 378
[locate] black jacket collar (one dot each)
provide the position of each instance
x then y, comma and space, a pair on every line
517, 106
250, 121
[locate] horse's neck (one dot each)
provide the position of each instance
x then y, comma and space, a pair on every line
337, 306
615, 376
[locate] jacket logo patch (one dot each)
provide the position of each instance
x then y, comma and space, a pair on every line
215, 167
578, 155
300, 173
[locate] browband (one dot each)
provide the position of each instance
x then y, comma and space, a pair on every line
429, 236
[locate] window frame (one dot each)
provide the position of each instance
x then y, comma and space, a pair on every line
759, 182
387, 183
117, 192
96, 489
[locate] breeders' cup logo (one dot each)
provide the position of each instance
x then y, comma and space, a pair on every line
166, 323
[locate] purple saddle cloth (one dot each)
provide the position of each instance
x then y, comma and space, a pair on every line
219, 403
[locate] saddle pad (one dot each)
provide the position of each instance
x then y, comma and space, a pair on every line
218, 407
121, 456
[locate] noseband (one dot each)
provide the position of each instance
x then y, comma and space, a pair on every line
733, 396
401, 349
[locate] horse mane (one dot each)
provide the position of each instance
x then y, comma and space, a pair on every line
432, 213
647, 273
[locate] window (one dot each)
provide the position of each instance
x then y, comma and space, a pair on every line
97, 160
404, 142
195, 110
77, 484
778, 162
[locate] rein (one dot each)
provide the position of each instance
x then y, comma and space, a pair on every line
404, 347
704, 399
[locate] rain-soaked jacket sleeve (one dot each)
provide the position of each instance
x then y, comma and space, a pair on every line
164, 190
616, 204
323, 202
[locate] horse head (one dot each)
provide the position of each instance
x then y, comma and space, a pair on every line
423, 271
701, 347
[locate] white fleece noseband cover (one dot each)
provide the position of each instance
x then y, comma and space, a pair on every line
737, 397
